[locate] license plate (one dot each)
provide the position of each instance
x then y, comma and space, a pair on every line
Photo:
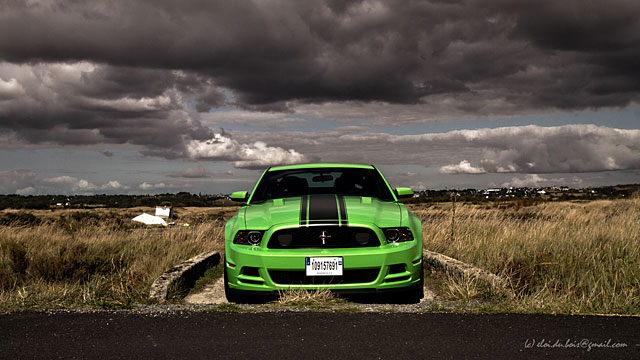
324, 266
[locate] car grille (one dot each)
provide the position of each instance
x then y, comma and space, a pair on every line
299, 277
315, 237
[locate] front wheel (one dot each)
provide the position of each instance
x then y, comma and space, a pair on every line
240, 297
231, 295
417, 293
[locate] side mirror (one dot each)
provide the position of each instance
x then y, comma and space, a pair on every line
240, 196
403, 192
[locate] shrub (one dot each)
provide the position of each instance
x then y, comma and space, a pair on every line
13, 264
21, 218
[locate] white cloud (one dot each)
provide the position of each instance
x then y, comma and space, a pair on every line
29, 190
113, 184
71, 183
509, 169
149, 186
518, 149
249, 156
25, 182
16, 179
261, 155
532, 180
76, 185
10, 89
529, 180
464, 167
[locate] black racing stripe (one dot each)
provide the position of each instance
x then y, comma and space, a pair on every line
343, 211
303, 210
323, 208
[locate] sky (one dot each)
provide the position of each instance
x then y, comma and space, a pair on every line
157, 96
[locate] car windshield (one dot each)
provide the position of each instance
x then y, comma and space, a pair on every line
298, 182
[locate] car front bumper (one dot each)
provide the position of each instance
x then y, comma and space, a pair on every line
257, 269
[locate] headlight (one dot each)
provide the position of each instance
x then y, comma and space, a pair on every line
394, 235
248, 237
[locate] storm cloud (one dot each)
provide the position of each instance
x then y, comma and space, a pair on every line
82, 103
568, 55
165, 76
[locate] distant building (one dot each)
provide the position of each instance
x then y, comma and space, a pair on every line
491, 191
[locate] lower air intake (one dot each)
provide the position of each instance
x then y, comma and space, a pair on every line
299, 277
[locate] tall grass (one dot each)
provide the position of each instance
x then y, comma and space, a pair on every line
565, 257
80, 258
569, 257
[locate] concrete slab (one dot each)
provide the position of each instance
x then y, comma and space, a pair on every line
212, 293
186, 274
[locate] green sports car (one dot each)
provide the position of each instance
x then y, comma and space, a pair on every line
314, 226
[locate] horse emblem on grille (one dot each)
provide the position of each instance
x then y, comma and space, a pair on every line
324, 236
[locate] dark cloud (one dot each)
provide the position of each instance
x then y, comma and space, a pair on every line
531, 54
84, 103
148, 73
576, 25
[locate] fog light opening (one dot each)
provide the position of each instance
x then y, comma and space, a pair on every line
285, 240
397, 268
362, 238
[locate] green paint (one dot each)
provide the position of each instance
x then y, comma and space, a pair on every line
367, 213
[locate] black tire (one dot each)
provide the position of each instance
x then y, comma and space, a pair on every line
241, 297
417, 293
231, 295
411, 295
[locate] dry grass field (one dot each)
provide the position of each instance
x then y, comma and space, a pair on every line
100, 258
564, 257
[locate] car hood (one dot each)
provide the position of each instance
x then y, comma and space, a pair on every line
323, 209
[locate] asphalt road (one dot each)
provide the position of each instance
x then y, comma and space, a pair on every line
292, 335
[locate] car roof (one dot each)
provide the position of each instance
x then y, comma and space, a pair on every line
321, 165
